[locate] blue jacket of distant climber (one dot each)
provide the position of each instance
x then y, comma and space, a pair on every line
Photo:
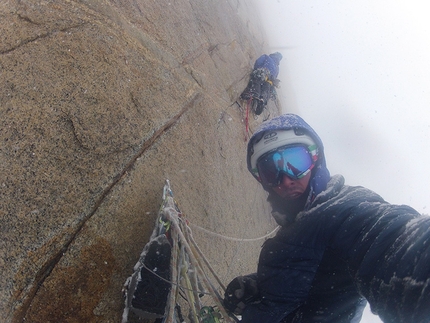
347, 245
270, 62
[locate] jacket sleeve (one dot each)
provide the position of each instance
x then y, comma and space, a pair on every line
388, 251
285, 274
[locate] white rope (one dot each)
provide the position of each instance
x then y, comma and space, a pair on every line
233, 239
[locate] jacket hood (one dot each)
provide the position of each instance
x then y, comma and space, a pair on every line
276, 57
320, 174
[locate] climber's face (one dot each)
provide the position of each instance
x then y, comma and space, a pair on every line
292, 189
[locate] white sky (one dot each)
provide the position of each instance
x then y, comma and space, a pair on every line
359, 73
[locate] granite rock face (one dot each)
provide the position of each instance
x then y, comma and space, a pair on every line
100, 102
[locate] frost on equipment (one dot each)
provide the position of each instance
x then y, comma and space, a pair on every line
169, 282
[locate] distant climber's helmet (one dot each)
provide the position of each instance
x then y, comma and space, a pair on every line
276, 57
282, 152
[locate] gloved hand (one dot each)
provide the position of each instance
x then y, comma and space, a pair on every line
240, 292
276, 83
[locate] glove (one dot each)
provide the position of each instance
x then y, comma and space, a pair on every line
276, 83
240, 292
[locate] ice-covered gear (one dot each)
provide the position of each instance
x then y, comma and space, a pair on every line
320, 173
258, 90
149, 285
240, 292
269, 62
349, 244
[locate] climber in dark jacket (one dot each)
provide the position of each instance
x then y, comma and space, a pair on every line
338, 245
263, 80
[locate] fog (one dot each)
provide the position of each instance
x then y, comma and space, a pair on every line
358, 73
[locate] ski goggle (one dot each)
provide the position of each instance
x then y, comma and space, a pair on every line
293, 161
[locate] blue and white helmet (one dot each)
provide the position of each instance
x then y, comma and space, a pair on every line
283, 130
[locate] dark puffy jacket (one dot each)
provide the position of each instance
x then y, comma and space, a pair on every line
348, 244
267, 61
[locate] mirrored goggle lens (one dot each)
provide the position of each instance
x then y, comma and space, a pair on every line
295, 162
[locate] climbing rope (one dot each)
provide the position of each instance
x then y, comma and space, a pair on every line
153, 291
234, 239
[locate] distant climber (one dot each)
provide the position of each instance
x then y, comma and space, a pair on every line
262, 82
